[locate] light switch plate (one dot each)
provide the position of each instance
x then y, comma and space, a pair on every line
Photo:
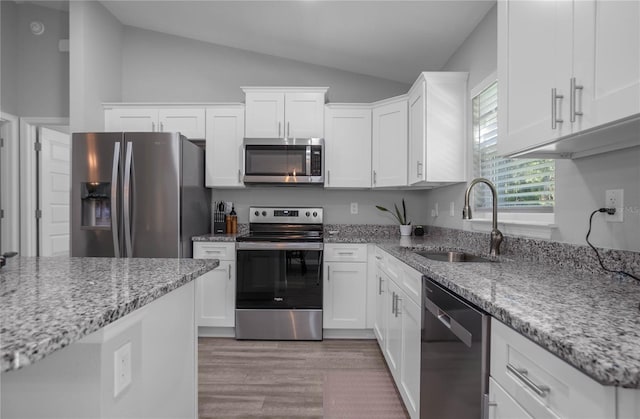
354, 208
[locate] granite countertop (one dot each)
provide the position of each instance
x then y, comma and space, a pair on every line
215, 238
49, 303
589, 320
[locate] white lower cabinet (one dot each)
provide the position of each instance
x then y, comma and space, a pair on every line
502, 406
398, 325
215, 290
345, 286
541, 384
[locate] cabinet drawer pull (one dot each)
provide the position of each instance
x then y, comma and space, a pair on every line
379, 285
345, 253
521, 374
398, 299
554, 99
213, 251
161, 126
229, 271
379, 257
153, 126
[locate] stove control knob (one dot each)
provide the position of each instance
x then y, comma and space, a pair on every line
264, 213
307, 213
315, 214
257, 213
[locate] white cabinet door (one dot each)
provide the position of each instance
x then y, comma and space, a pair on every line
606, 61
345, 295
304, 115
215, 293
411, 316
417, 133
502, 406
390, 144
190, 122
225, 131
347, 147
534, 57
131, 120
264, 115
393, 349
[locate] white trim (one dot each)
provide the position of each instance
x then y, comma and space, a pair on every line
532, 229
10, 182
491, 78
28, 199
348, 334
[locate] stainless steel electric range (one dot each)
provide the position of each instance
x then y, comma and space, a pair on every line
279, 275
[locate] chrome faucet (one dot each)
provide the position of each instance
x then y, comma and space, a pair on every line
496, 235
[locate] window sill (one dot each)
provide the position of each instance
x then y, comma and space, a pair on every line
532, 229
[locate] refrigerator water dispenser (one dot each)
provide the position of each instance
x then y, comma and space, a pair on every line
96, 204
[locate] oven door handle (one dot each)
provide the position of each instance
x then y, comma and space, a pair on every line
278, 246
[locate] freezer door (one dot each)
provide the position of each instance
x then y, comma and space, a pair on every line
151, 194
96, 214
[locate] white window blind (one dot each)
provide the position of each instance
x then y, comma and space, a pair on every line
524, 185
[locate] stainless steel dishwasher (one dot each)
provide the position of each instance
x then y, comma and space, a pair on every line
454, 376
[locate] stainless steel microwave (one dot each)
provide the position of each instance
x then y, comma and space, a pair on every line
286, 161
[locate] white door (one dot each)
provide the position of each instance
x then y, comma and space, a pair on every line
189, 122
225, 131
379, 325
348, 148
215, 293
411, 354
345, 295
264, 115
417, 134
607, 61
534, 56
393, 349
304, 113
131, 120
390, 144
55, 193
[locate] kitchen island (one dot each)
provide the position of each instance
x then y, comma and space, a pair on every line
99, 337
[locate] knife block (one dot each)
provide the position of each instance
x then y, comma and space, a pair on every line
219, 224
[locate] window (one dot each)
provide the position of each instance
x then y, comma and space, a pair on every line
523, 185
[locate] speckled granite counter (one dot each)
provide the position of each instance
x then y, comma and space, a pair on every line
49, 303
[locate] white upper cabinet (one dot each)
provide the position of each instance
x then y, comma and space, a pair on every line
225, 131
276, 112
564, 68
187, 120
347, 146
437, 131
390, 142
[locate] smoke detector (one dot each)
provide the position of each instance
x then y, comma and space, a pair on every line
36, 27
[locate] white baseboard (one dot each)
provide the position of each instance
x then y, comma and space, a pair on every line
216, 332
348, 334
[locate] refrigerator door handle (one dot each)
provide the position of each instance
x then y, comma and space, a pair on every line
114, 199
126, 200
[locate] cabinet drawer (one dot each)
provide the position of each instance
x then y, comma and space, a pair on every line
212, 250
412, 283
345, 252
502, 406
542, 383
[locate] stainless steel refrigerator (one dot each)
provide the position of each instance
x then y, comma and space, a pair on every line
138, 194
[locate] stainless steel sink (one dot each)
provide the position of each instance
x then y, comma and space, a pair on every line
451, 256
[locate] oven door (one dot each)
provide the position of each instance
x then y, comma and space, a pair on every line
279, 275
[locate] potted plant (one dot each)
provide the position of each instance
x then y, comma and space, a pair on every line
405, 225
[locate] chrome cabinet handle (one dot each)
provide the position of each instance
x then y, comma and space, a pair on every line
345, 253
375, 177
554, 98
379, 257
161, 126
398, 299
572, 100
380, 285
229, 270
521, 374
393, 302
288, 129
114, 199
153, 126
279, 123
239, 176
419, 169
328, 177
328, 273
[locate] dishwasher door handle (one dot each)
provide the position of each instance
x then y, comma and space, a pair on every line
456, 328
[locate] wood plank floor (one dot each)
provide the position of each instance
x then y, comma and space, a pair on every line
277, 379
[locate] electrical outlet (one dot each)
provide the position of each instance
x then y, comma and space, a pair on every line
354, 208
614, 198
452, 209
121, 368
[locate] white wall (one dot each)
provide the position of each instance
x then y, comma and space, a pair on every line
96, 63
580, 184
35, 74
158, 67
336, 203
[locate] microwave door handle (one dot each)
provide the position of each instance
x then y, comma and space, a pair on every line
308, 160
